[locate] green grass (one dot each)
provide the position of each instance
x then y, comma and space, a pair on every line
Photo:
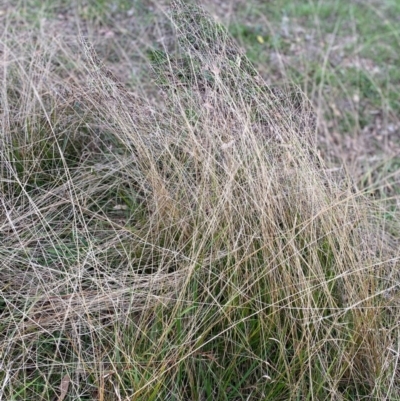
178, 235
342, 54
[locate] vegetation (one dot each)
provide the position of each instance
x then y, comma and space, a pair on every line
175, 226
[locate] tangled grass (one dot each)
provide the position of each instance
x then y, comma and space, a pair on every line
189, 248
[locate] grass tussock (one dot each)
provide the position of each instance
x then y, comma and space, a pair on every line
192, 247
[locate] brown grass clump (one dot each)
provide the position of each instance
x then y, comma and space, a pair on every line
188, 248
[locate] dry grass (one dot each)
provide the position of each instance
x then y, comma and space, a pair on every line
190, 247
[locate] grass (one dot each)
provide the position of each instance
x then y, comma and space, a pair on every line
343, 55
178, 236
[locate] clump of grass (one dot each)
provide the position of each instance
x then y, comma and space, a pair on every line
190, 248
